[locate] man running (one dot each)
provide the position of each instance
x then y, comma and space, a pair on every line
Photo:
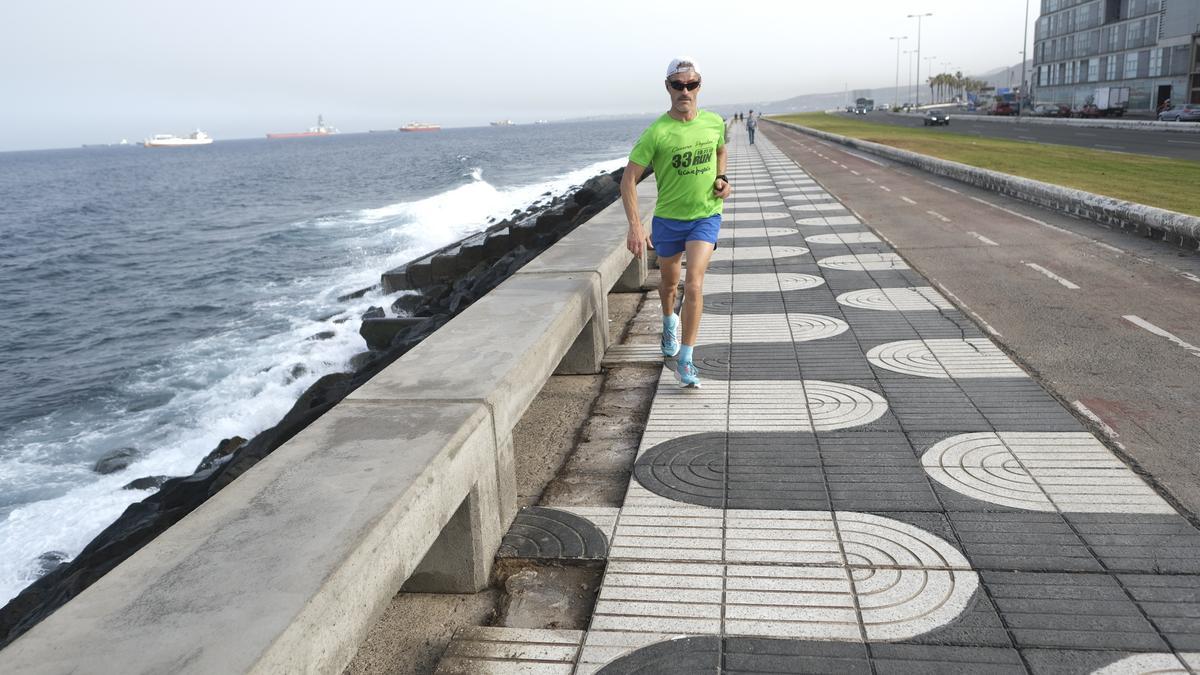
751, 126
686, 147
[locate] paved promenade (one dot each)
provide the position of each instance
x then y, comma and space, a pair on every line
864, 484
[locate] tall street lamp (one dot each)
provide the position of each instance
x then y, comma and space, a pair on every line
1024, 58
910, 53
896, 91
918, 17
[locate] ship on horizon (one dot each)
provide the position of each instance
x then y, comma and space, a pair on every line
421, 126
197, 137
502, 123
320, 130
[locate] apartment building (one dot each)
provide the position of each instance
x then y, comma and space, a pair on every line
1150, 46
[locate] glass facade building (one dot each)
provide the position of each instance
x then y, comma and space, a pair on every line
1150, 46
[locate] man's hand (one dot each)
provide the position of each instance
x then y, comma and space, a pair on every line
722, 189
636, 241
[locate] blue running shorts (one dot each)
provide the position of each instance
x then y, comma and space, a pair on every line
670, 236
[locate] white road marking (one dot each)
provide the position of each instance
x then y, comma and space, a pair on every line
1189, 275
1107, 430
982, 238
939, 216
885, 188
864, 158
871, 180
958, 301
1110, 247
943, 187
1022, 215
855, 172
903, 173
1184, 142
1142, 323
1052, 275
842, 165
906, 199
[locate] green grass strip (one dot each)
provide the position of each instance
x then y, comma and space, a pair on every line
1154, 181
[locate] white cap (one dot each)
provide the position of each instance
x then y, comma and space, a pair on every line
682, 64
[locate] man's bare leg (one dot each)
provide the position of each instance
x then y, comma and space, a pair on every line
668, 286
698, 255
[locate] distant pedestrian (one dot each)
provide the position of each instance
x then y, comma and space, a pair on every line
686, 147
751, 126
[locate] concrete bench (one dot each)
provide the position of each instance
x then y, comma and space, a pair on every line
409, 479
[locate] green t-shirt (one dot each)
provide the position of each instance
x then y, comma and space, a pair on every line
684, 158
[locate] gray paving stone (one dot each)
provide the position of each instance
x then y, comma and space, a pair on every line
775, 471
928, 405
904, 659
1140, 542
1069, 661
1071, 611
1172, 601
745, 655
1023, 540
978, 626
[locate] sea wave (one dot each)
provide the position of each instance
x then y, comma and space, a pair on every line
239, 379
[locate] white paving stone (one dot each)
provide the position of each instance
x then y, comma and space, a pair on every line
757, 253
915, 299
736, 233
945, 358
864, 262
821, 206
843, 238
1045, 471
829, 221
757, 283
753, 216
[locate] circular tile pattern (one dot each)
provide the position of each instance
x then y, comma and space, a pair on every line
916, 299
829, 221
751, 216
821, 206
540, 532
945, 358
897, 604
843, 238
1040, 471
759, 232
810, 197
835, 405
756, 283
757, 253
864, 262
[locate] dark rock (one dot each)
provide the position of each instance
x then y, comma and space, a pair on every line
406, 305
362, 360
323, 335
115, 460
297, 371
224, 449
374, 313
50, 560
379, 333
146, 483
584, 195
357, 294
498, 243
445, 265
419, 273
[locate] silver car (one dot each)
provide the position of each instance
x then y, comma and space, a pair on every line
1188, 112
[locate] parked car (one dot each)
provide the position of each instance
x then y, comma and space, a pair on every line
1188, 112
1003, 108
1051, 110
936, 117
860, 110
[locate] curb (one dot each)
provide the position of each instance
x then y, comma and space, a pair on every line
1155, 223
1142, 125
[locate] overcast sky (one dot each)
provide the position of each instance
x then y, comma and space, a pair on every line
92, 72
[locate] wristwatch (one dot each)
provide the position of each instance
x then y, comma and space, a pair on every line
723, 177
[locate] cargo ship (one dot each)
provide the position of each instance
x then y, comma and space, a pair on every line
320, 130
197, 137
420, 126
502, 123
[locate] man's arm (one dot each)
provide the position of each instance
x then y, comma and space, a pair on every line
635, 241
721, 188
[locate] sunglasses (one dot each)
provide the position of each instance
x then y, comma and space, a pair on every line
680, 86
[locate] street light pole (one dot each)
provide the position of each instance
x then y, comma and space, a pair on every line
1024, 58
910, 53
918, 17
896, 91
929, 67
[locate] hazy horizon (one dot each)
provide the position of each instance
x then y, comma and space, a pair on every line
132, 68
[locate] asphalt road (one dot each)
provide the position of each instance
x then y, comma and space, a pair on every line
1158, 143
1105, 319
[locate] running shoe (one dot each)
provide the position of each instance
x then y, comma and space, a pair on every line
688, 375
670, 339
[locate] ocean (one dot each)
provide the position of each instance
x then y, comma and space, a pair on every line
157, 301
